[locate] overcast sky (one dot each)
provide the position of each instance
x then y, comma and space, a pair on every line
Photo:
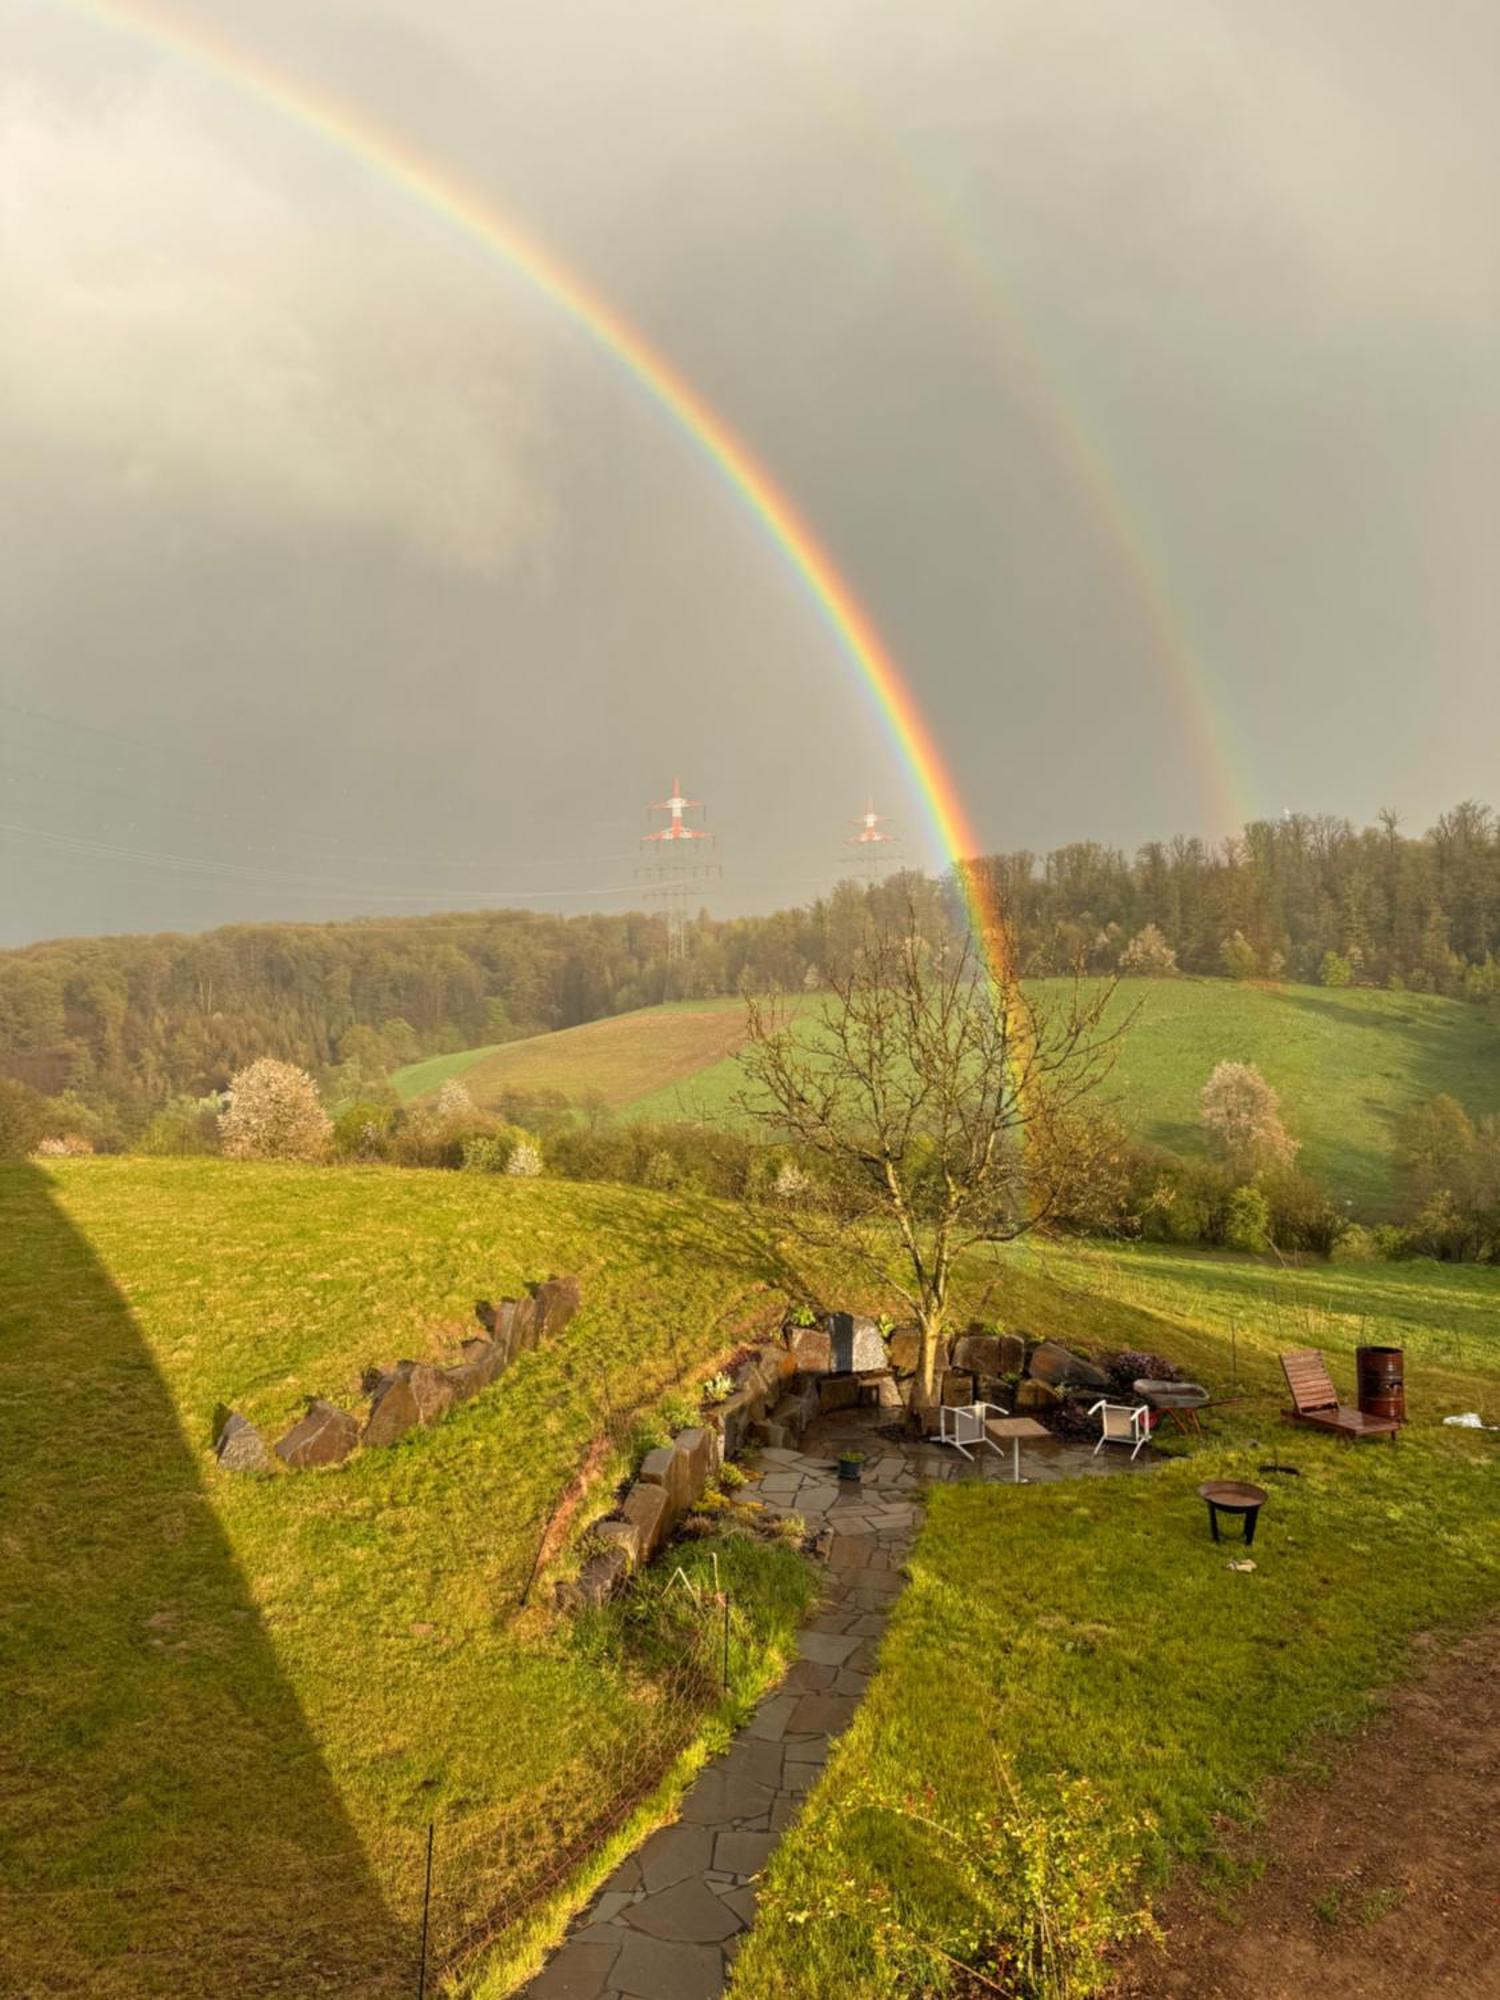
1135, 361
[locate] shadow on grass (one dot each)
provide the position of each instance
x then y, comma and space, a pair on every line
169, 1826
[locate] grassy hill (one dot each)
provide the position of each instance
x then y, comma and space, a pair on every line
622, 1059
232, 1705
1346, 1063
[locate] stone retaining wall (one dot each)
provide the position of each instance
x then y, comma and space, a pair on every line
409, 1395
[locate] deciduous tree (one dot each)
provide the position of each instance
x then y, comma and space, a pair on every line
944, 1110
274, 1113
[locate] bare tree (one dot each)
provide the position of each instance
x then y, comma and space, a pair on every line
940, 1107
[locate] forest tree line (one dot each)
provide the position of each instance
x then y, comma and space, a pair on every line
131, 1022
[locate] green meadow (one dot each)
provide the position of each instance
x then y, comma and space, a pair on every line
235, 1704
1346, 1063
1076, 1690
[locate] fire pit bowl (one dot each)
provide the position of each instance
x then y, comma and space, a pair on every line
1233, 1496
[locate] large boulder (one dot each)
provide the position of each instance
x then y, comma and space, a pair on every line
857, 1344
979, 1353
240, 1446
325, 1436
557, 1303
1059, 1366
812, 1349
1012, 1354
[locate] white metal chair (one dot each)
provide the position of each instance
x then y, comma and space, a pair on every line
1123, 1423
963, 1424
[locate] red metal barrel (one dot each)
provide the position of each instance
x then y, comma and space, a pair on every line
1382, 1388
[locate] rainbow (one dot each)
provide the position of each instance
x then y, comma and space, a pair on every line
1035, 378
345, 126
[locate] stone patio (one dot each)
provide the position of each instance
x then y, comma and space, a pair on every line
667, 1923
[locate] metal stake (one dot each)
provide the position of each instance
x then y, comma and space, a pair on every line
426, 1906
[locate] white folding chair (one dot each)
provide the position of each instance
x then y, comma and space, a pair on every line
1123, 1423
963, 1424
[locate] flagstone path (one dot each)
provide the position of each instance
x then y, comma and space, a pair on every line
668, 1922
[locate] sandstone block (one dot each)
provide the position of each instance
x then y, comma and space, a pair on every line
645, 1507
958, 1386
838, 1392
393, 1411
557, 1303
240, 1446
1012, 1354
325, 1436
597, 1581
812, 1349
696, 1446
431, 1390
624, 1534
1034, 1395
979, 1353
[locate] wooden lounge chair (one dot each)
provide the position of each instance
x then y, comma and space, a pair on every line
1315, 1400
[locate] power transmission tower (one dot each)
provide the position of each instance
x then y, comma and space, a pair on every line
868, 841
678, 867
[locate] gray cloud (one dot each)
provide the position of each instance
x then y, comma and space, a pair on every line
1066, 325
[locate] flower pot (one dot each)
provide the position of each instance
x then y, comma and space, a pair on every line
849, 1468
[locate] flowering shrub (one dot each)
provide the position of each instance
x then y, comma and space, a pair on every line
274, 1113
525, 1160
455, 1101
65, 1146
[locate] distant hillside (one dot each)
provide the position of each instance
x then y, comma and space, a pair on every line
1347, 1062
619, 1060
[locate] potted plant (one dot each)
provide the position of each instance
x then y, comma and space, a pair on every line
849, 1463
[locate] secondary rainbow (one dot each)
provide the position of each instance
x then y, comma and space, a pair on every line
386, 153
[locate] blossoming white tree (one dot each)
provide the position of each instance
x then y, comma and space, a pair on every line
274, 1113
1242, 1117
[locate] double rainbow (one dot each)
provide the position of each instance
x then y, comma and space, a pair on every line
351, 130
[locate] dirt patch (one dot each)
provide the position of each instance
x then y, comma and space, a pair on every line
1380, 1883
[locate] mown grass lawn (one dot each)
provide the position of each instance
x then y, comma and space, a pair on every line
1076, 1684
232, 1705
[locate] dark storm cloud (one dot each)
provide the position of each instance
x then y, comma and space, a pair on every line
343, 570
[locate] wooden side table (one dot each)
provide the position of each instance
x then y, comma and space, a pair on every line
1016, 1428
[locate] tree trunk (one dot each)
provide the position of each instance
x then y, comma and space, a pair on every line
927, 1389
